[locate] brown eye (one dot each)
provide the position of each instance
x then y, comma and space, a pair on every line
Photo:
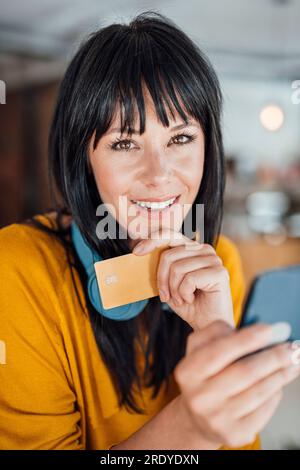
121, 145
182, 139
179, 139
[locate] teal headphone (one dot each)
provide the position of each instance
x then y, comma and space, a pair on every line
88, 257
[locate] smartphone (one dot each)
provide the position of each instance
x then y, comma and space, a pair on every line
274, 296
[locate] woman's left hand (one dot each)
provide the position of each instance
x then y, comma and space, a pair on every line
191, 278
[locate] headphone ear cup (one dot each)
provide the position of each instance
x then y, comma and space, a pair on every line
124, 312
93, 292
88, 257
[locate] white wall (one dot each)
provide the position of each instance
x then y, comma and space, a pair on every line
244, 136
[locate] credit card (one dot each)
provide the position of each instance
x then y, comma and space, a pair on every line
128, 278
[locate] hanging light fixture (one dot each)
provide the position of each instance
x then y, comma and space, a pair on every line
272, 117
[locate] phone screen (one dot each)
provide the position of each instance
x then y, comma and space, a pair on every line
274, 296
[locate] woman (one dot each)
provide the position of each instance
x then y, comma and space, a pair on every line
74, 377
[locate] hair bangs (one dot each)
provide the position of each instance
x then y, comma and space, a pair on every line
145, 64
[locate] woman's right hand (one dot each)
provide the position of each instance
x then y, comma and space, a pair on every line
225, 398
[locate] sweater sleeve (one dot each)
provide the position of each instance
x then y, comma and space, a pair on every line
37, 402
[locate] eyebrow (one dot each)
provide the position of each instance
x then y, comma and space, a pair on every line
175, 128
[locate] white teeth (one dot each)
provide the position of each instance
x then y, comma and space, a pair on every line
155, 205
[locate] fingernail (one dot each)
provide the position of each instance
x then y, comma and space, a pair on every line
281, 331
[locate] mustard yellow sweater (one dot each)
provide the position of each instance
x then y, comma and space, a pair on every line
55, 390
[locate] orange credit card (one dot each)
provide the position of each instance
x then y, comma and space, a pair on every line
128, 278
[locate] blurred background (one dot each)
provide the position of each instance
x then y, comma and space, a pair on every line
255, 48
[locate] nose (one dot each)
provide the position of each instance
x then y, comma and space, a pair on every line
157, 169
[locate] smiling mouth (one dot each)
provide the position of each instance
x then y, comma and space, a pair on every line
156, 206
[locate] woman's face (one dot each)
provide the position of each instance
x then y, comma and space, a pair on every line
134, 172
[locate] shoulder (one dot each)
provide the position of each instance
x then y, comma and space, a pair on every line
227, 250
26, 247
33, 265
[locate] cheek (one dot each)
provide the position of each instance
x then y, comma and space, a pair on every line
196, 178
191, 170
111, 182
